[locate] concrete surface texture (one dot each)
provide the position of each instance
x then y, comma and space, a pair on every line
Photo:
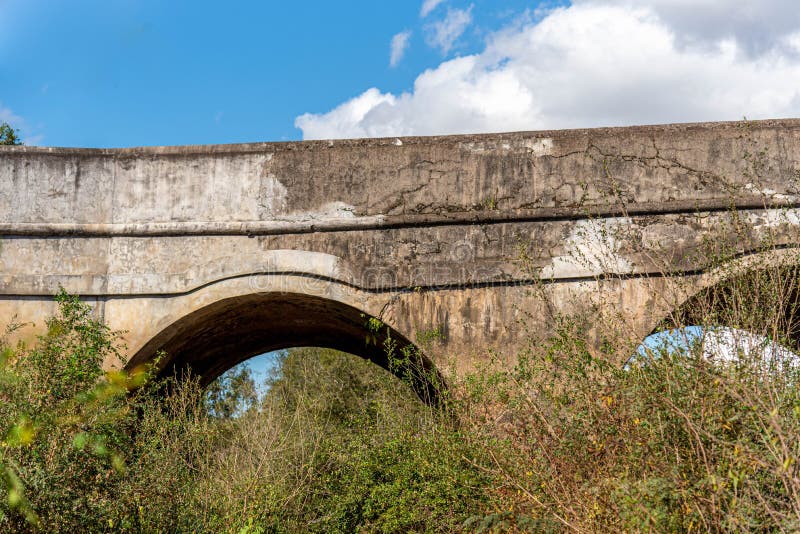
218, 253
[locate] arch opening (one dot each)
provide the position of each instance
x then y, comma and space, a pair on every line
749, 315
719, 345
337, 386
218, 336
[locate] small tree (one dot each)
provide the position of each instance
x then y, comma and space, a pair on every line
8, 135
232, 394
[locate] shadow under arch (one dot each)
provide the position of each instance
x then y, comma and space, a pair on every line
214, 338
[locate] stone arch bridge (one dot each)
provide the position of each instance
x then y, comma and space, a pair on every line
218, 253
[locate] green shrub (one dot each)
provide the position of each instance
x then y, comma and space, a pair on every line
340, 445
81, 450
676, 443
565, 440
65, 423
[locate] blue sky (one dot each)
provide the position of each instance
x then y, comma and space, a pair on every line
128, 73
142, 72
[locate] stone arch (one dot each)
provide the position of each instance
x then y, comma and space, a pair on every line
215, 337
731, 295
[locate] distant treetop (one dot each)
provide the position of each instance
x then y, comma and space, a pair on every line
8, 135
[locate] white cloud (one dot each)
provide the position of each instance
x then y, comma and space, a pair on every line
398, 47
442, 34
592, 64
428, 6
347, 119
731, 345
756, 26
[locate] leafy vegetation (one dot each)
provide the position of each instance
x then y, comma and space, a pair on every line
677, 443
335, 445
8, 135
340, 445
561, 439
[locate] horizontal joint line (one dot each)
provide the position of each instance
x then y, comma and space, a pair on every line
379, 222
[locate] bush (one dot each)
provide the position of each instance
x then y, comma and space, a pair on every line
565, 440
64, 427
678, 444
87, 450
335, 445
340, 445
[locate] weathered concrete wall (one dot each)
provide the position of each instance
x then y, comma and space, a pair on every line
426, 233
